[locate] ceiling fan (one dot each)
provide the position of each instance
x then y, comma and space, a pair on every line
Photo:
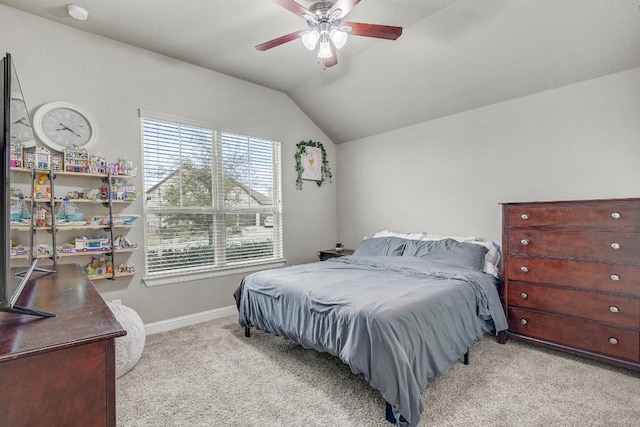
327, 32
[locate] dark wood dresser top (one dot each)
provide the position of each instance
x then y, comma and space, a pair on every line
82, 316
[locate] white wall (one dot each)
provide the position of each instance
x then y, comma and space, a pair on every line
448, 176
112, 81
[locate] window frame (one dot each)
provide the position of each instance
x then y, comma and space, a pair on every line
221, 266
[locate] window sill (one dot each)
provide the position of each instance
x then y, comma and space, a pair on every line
194, 275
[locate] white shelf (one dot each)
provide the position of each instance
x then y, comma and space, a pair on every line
55, 245
76, 174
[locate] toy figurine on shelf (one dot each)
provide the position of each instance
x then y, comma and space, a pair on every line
19, 213
43, 249
97, 164
99, 266
124, 219
67, 248
16, 193
101, 269
129, 268
76, 160
121, 190
17, 249
42, 217
56, 163
29, 160
125, 167
85, 244
104, 192
37, 187
99, 220
16, 154
121, 242
129, 192
122, 161
69, 214
93, 194
90, 269
43, 158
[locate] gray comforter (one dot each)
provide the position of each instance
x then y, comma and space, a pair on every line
396, 321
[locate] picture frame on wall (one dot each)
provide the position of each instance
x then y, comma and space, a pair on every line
312, 164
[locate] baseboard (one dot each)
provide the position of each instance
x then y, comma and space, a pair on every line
188, 320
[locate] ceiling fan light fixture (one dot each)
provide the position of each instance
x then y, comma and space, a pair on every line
338, 37
310, 39
324, 50
325, 32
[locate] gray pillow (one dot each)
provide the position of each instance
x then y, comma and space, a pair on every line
381, 246
448, 250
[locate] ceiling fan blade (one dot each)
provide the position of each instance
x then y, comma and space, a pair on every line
374, 30
294, 7
344, 5
277, 42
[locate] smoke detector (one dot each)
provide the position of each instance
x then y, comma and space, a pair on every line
76, 12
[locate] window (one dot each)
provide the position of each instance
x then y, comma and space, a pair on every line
212, 198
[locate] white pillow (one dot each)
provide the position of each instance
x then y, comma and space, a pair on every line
491, 258
410, 236
439, 237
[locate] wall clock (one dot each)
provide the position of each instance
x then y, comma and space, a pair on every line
61, 125
20, 129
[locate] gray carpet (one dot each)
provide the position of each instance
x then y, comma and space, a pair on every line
211, 375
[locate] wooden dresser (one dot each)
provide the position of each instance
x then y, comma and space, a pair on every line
572, 276
59, 370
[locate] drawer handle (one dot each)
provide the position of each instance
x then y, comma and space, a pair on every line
615, 245
614, 277
615, 215
614, 309
524, 269
524, 295
613, 341
524, 242
525, 216
523, 321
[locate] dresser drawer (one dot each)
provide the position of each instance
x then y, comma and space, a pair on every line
588, 305
576, 333
606, 246
576, 274
598, 214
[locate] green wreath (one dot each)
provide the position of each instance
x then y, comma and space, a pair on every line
325, 171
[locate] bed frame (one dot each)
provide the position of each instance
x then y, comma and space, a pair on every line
389, 408
388, 411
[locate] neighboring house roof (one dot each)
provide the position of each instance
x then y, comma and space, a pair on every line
258, 197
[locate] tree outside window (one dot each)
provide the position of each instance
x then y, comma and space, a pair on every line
208, 195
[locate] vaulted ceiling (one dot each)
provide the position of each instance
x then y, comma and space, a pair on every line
453, 56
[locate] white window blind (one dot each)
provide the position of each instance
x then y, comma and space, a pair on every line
212, 198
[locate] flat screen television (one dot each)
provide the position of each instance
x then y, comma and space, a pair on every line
11, 282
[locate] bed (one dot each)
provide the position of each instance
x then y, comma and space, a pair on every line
398, 311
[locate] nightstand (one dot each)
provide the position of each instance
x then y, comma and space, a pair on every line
332, 253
